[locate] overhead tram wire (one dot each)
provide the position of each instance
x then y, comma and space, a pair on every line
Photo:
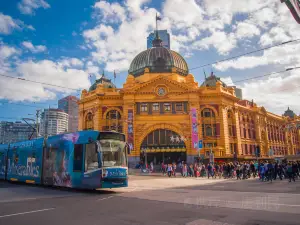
23, 79
247, 53
268, 74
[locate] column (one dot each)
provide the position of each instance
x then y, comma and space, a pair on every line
238, 132
224, 137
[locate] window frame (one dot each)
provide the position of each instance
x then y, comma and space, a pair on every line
144, 107
155, 107
81, 159
165, 105
179, 107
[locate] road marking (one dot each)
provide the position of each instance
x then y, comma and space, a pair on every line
101, 199
17, 200
16, 214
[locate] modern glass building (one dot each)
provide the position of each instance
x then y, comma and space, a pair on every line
164, 36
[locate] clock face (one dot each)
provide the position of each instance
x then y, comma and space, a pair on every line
161, 91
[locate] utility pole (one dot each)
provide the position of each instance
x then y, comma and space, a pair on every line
37, 122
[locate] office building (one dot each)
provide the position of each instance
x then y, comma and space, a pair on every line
69, 105
164, 36
54, 121
15, 131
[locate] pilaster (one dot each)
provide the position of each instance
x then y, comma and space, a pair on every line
238, 133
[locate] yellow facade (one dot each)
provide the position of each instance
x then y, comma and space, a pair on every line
235, 124
164, 112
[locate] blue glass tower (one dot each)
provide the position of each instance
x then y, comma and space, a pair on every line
164, 36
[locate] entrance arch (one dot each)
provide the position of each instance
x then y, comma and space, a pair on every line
163, 143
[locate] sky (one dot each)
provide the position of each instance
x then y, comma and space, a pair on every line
69, 43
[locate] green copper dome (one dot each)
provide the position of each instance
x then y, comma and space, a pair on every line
103, 80
158, 60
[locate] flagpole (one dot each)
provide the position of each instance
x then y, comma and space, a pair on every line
156, 25
115, 77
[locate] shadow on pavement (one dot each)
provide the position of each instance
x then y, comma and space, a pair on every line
7, 184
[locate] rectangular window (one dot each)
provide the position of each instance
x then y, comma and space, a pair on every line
231, 148
179, 106
150, 139
155, 107
91, 157
230, 130
78, 158
144, 107
245, 133
167, 107
214, 130
162, 137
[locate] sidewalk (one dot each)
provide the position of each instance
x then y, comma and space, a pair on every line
138, 172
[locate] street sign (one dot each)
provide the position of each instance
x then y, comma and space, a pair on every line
200, 144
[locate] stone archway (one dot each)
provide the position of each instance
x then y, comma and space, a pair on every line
152, 128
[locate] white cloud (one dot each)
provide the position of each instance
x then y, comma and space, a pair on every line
287, 56
275, 93
29, 6
117, 47
71, 62
223, 42
6, 54
32, 48
246, 30
7, 51
112, 13
44, 71
7, 24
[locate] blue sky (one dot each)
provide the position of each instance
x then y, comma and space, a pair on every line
69, 43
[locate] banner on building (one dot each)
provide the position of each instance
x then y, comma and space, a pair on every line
130, 129
194, 129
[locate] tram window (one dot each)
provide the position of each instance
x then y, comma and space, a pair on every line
78, 158
91, 157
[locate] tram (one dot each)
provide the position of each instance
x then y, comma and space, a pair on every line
81, 160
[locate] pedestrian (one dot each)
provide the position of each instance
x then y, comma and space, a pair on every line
169, 170
184, 170
290, 172
209, 170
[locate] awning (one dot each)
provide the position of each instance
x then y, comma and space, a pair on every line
165, 150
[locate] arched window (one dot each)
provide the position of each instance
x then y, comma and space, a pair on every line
208, 123
89, 122
207, 113
114, 121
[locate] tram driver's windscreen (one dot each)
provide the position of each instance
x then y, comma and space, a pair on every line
113, 153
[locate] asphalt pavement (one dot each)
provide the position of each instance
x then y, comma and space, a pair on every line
155, 201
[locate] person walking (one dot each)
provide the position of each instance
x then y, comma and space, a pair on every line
290, 172
169, 170
209, 170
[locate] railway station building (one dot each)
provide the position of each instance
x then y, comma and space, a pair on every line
164, 113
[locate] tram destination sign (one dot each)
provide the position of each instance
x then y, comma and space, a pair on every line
111, 135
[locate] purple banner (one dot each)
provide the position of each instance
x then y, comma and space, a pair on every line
130, 129
194, 129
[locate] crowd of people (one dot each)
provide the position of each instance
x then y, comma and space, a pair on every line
264, 170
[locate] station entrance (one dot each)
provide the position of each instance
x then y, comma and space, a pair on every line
163, 145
